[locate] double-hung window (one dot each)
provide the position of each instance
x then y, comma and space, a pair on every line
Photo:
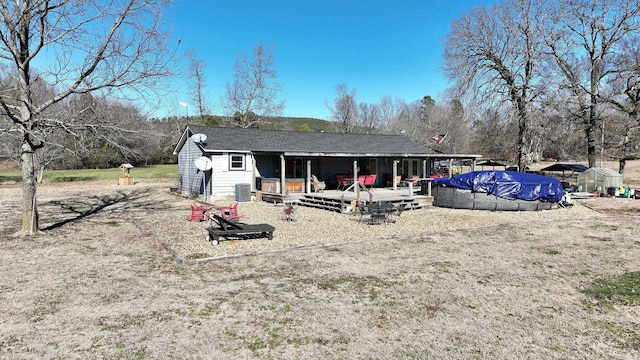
237, 162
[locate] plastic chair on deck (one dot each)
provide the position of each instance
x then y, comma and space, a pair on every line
362, 179
318, 186
369, 181
342, 183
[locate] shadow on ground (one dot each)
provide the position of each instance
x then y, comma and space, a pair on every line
74, 209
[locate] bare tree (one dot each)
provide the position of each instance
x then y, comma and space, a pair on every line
83, 47
581, 37
253, 94
198, 89
492, 52
345, 109
369, 118
624, 96
494, 134
391, 111
403, 118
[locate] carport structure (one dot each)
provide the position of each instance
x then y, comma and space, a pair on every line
560, 171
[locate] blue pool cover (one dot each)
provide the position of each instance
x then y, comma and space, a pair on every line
508, 185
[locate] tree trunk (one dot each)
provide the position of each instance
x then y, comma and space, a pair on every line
522, 132
623, 163
29, 209
625, 149
592, 124
591, 144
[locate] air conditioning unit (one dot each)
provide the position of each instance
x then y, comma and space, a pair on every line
243, 192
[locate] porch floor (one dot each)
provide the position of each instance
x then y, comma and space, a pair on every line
344, 201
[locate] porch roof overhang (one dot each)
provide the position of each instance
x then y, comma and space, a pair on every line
380, 155
324, 154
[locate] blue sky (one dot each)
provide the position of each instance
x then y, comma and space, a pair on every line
376, 47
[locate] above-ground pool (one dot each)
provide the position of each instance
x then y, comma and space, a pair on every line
497, 190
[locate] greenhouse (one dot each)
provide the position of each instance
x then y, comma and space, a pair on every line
602, 179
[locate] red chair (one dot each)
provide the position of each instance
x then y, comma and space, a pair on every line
344, 181
230, 212
199, 212
370, 180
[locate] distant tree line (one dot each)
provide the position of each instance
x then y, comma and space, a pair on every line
533, 79
557, 78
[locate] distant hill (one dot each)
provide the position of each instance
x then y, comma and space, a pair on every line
298, 124
278, 123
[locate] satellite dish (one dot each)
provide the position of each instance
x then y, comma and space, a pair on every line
203, 163
199, 138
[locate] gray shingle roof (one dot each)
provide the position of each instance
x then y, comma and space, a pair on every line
273, 141
565, 167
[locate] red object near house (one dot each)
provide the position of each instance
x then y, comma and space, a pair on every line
344, 181
230, 212
199, 212
369, 180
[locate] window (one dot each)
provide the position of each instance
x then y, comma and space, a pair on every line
236, 162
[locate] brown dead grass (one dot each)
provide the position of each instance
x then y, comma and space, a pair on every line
95, 286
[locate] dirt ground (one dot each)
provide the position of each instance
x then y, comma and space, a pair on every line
108, 278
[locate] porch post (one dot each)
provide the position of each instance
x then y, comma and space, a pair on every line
395, 174
356, 186
254, 183
283, 180
424, 168
450, 167
308, 187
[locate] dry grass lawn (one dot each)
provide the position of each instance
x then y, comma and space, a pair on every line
119, 273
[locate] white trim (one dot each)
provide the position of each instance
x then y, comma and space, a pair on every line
231, 162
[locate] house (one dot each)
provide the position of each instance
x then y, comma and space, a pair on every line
213, 161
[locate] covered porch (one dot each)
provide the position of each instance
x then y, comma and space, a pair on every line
290, 174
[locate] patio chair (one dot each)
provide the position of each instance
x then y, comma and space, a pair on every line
369, 181
230, 212
390, 180
196, 213
362, 178
199, 212
343, 181
318, 186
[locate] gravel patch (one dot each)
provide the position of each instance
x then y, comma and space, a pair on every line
163, 215
316, 227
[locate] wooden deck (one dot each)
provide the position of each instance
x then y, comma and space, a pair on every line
345, 201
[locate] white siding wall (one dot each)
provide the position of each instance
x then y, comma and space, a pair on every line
224, 180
